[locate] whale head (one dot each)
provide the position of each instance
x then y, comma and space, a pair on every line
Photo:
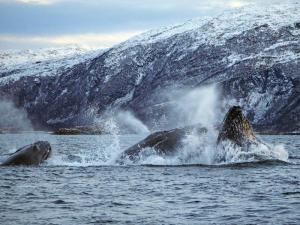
33, 154
43, 149
236, 128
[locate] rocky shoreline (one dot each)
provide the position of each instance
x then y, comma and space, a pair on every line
81, 130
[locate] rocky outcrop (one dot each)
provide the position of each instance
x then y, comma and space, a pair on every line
164, 143
81, 130
251, 53
33, 154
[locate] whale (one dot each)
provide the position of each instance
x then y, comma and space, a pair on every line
164, 143
237, 134
235, 128
33, 154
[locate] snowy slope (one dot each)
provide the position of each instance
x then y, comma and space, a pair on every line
225, 26
216, 31
15, 64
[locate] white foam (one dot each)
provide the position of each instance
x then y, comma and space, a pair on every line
207, 153
230, 153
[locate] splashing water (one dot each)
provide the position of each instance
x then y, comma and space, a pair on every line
87, 150
130, 123
227, 152
114, 148
204, 150
203, 106
198, 106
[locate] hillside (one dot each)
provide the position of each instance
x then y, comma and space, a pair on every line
251, 54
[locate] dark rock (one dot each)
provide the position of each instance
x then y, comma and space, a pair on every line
162, 142
33, 154
80, 130
67, 131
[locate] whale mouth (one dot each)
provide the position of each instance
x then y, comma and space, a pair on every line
47, 153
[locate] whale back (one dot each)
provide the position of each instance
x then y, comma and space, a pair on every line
162, 142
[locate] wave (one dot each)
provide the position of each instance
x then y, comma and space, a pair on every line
291, 193
201, 155
294, 157
238, 165
249, 164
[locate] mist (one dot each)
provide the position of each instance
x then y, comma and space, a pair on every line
13, 118
130, 122
190, 106
120, 122
199, 106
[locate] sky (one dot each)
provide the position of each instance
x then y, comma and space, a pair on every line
31, 24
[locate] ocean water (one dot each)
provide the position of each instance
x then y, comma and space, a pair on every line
81, 184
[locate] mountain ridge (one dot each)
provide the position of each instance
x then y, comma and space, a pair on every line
252, 55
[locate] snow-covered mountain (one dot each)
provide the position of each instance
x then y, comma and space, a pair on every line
251, 53
15, 64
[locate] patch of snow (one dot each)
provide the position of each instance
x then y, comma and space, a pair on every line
64, 91
124, 99
140, 77
273, 58
59, 120
259, 102
235, 58
281, 44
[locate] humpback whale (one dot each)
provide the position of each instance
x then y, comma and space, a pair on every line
235, 128
162, 142
33, 154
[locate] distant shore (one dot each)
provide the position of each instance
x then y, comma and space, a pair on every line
98, 131
277, 133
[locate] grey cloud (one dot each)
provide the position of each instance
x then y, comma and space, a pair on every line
79, 17
95, 16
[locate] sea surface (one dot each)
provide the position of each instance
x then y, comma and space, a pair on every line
80, 184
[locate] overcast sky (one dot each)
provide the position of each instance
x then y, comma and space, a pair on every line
94, 23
